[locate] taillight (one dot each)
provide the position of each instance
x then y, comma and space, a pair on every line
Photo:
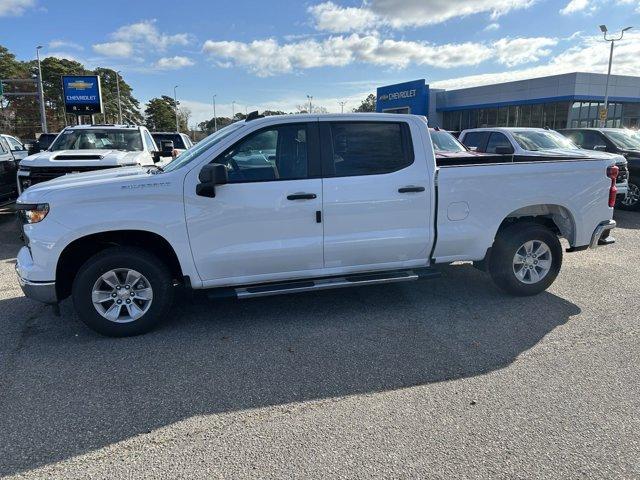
612, 173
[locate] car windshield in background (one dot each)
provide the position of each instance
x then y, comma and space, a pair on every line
624, 139
169, 137
537, 140
189, 155
445, 142
90, 139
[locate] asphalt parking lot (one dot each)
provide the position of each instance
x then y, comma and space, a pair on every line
443, 378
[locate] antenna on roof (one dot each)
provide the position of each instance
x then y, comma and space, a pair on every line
253, 116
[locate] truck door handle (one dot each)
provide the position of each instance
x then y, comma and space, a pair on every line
301, 196
410, 188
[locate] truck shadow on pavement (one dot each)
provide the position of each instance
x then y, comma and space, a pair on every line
66, 391
627, 220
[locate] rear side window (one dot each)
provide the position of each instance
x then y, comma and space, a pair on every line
4, 148
368, 148
476, 140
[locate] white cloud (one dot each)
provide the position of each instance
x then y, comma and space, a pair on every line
491, 27
331, 17
592, 55
63, 56
14, 8
65, 44
114, 49
574, 6
147, 32
174, 63
517, 51
268, 57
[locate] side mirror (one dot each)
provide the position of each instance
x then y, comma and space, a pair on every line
166, 148
600, 148
504, 150
211, 175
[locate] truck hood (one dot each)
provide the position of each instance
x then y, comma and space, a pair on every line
82, 158
115, 176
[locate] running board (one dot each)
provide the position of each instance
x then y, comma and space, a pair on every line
356, 280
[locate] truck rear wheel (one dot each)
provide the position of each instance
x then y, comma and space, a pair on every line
122, 291
525, 259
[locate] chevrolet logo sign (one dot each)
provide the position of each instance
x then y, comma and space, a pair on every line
80, 85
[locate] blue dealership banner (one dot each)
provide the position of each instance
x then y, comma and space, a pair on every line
82, 94
408, 97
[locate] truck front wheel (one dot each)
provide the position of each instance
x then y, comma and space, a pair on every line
525, 259
122, 291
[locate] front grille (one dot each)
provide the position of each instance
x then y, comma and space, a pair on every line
623, 173
42, 174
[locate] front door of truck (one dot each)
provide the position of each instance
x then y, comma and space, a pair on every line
265, 224
376, 195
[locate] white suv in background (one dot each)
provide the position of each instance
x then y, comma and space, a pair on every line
18, 149
85, 148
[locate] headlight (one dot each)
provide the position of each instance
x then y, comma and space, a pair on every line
31, 212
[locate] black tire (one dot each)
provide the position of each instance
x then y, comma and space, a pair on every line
507, 243
155, 271
632, 206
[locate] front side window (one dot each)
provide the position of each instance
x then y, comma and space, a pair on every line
275, 153
363, 148
98, 139
3, 146
535, 140
445, 142
475, 140
496, 140
14, 144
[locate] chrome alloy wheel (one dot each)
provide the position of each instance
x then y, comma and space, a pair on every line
122, 295
532, 261
632, 197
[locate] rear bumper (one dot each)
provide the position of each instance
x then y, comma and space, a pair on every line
601, 234
44, 292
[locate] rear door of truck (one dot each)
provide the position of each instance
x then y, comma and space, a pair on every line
377, 192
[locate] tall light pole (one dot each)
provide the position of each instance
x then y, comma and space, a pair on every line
603, 29
119, 104
215, 118
309, 97
342, 104
233, 110
43, 114
175, 101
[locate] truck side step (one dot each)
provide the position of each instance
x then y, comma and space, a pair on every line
307, 285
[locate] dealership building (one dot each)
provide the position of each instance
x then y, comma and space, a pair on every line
557, 101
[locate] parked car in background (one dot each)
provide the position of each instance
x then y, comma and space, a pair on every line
171, 144
614, 140
449, 151
83, 148
17, 147
43, 142
538, 144
337, 201
8, 167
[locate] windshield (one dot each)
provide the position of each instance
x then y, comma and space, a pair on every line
542, 140
189, 155
100, 139
624, 139
445, 142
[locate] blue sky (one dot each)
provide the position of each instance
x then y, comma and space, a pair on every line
271, 54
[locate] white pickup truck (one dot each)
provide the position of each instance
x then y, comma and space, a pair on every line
297, 203
83, 148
